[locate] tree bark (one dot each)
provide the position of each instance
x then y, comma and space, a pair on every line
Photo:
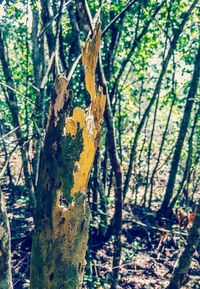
186, 257
118, 173
38, 58
62, 219
182, 133
46, 20
149, 155
161, 147
5, 247
188, 165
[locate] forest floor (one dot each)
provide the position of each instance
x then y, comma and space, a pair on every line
149, 252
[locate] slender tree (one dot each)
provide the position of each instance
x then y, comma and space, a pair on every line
182, 133
187, 171
38, 60
14, 109
5, 247
185, 259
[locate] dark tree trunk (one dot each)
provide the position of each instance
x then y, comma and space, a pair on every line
13, 106
149, 155
118, 173
161, 147
182, 133
5, 247
38, 58
187, 171
186, 257
47, 25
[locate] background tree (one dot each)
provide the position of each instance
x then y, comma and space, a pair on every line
181, 271
182, 132
5, 250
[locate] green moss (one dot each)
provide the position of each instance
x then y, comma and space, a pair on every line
71, 149
58, 172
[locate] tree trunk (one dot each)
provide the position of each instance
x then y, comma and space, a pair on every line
5, 250
186, 257
13, 106
182, 133
186, 175
161, 146
62, 219
118, 173
38, 58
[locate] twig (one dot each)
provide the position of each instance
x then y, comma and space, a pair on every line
4, 169
161, 229
17, 265
16, 128
118, 16
45, 78
17, 92
50, 22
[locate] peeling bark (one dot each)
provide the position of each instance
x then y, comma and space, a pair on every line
5, 251
62, 217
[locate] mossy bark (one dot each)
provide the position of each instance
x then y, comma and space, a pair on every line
62, 216
5, 250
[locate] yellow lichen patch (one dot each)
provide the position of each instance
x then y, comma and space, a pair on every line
97, 107
84, 165
79, 116
81, 176
71, 124
89, 59
71, 127
90, 122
